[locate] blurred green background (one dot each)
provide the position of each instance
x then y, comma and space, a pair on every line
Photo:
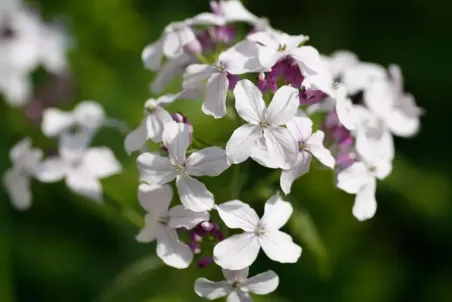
68, 249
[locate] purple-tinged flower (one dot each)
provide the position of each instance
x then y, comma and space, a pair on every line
204, 262
310, 97
233, 80
225, 34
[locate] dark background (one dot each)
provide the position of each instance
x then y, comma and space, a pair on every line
68, 249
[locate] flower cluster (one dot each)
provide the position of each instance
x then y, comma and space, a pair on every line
272, 84
27, 43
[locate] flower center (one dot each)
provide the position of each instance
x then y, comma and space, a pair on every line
150, 107
282, 47
180, 168
220, 66
302, 146
264, 124
236, 285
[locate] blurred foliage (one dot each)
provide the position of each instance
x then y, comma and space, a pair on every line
69, 249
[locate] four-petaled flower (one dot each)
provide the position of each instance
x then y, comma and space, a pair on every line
237, 285
264, 124
161, 224
156, 169
79, 166
240, 251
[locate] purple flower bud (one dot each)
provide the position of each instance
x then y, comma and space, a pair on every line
345, 159
203, 262
310, 97
273, 85
233, 80
194, 246
225, 34
193, 47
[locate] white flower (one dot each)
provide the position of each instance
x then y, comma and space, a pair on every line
155, 169
80, 167
361, 76
16, 180
396, 109
339, 61
175, 37
154, 120
240, 251
87, 115
237, 285
161, 224
237, 60
360, 178
276, 45
25, 43
264, 123
235, 11
310, 144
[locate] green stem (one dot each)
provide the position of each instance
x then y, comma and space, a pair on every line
202, 59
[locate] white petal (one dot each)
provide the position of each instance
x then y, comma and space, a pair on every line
89, 114
268, 57
315, 145
155, 198
323, 82
239, 296
239, 275
72, 146
283, 106
212, 290
278, 246
352, 179
277, 213
181, 217
173, 252
235, 11
18, 188
52, 169
260, 155
215, 99
308, 58
193, 194
282, 147
365, 203
300, 126
55, 121
176, 137
101, 162
172, 45
242, 142
361, 76
249, 102
238, 215
241, 58
208, 19
196, 74
136, 139
404, 120
155, 169
263, 284
237, 251
155, 123
301, 168
149, 232
266, 38
210, 161
152, 55
20, 149
83, 183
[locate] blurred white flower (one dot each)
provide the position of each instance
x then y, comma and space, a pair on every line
175, 37
235, 11
16, 180
25, 44
237, 60
156, 169
237, 285
395, 108
360, 178
161, 224
240, 251
79, 166
264, 123
88, 116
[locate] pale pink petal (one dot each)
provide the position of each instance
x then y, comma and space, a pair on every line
282, 147
242, 142
249, 102
283, 106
